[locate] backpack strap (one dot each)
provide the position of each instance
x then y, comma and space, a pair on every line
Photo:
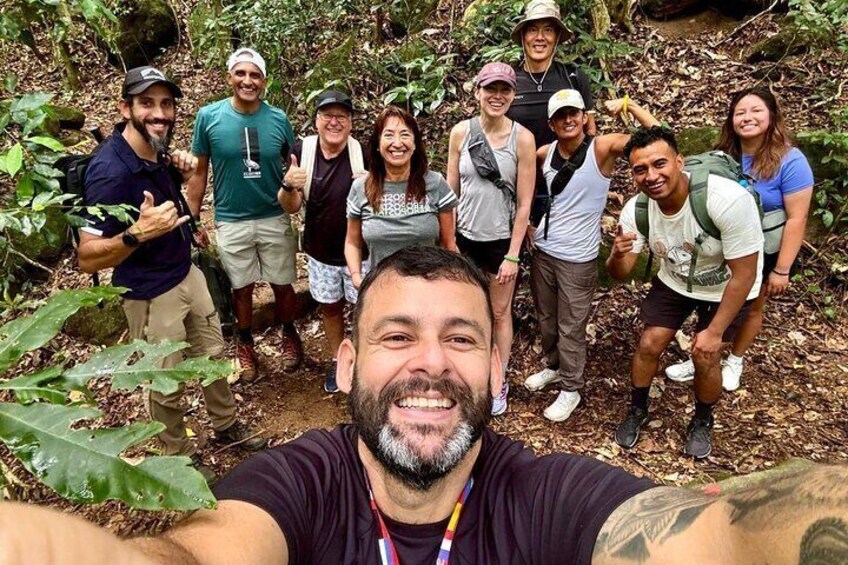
354, 151
643, 226
307, 161
698, 182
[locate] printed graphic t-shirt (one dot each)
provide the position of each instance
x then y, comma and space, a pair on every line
672, 239
522, 509
400, 222
247, 152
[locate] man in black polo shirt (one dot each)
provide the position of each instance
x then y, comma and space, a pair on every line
420, 477
167, 298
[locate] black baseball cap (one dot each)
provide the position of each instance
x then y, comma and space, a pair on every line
329, 97
140, 79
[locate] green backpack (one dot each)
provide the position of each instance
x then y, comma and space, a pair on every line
699, 167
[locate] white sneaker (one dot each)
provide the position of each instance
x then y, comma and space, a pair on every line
538, 381
563, 406
681, 372
499, 403
731, 374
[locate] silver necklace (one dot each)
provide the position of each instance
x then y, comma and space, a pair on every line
538, 83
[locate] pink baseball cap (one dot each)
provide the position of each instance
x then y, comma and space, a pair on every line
494, 72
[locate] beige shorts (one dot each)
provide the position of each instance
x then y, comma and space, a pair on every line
253, 250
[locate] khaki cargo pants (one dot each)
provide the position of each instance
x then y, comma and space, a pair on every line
184, 313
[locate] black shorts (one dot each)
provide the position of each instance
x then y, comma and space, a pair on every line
668, 309
770, 262
486, 255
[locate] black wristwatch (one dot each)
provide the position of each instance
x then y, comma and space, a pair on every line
287, 187
129, 239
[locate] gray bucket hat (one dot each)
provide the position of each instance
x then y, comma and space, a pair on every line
539, 10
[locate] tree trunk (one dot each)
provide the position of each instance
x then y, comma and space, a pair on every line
71, 74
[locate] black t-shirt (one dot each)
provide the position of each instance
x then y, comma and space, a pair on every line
522, 509
117, 175
326, 218
530, 107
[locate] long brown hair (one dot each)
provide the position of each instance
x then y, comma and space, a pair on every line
766, 160
415, 187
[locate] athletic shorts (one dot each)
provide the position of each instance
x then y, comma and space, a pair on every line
668, 309
487, 255
254, 250
329, 284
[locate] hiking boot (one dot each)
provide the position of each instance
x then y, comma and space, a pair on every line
248, 362
681, 372
699, 438
245, 438
499, 403
330, 380
563, 406
731, 374
205, 470
627, 433
292, 351
538, 381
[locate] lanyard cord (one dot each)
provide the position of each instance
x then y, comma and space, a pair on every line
388, 553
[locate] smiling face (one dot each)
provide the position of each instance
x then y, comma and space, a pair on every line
751, 118
397, 143
333, 124
421, 394
247, 83
495, 98
540, 40
568, 123
152, 115
657, 170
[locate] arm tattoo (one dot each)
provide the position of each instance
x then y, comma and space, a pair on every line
651, 517
825, 543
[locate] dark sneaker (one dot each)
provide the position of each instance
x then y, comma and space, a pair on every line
208, 474
330, 381
248, 362
627, 433
292, 351
242, 436
699, 438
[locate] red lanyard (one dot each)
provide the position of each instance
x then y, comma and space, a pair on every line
388, 554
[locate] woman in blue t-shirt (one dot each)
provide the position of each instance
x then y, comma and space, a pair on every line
755, 134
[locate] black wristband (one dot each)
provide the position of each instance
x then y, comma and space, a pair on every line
776, 272
286, 187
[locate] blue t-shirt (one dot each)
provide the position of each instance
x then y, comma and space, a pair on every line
794, 174
116, 175
247, 152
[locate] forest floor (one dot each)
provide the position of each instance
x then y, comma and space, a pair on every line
794, 396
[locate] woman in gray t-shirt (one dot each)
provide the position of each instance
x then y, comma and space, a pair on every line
494, 212
400, 202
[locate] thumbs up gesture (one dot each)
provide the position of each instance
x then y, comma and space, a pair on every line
296, 175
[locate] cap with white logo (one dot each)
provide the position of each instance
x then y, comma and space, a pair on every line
565, 99
140, 79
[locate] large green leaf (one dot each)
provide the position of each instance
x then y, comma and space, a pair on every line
117, 362
32, 331
14, 159
28, 388
84, 465
30, 102
47, 142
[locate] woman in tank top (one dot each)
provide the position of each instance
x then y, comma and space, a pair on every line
493, 212
564, 270
755, 134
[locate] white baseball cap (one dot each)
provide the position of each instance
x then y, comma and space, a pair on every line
565, 98
246, 55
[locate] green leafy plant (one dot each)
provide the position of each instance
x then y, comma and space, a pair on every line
831, 196
822, 24
423, 83
44, 426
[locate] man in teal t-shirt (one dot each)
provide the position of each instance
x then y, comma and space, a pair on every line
247, 141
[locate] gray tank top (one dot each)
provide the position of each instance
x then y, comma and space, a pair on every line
485, 212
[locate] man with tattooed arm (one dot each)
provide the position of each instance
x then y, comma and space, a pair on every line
420, 478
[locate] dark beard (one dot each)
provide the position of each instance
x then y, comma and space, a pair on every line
159, 144
370, 415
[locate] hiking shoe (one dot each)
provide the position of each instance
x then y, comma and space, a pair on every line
330, 380
248, 362
681, 372
627, 433
292, 351
244, 437
205, 470
499, 403
563, 406
538, 381
731, 374
699, 438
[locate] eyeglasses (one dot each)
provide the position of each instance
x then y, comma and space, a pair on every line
340, 118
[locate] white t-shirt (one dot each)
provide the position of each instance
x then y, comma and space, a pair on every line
672, 239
